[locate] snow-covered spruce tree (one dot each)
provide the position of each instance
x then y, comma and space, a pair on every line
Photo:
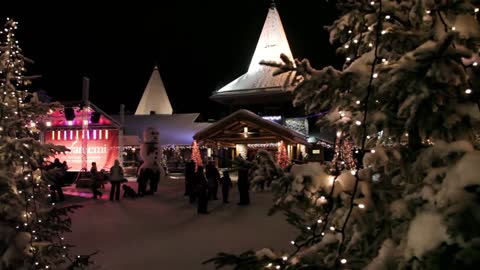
31, 228
408, 95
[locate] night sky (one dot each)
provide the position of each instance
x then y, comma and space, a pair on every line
199, 46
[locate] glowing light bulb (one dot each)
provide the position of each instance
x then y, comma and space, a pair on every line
387, 17
475, 64
323, 233
358, 123
319, 221
362, 206
269, 265
292, 242
349, 31
468, 91
375, 75
48, 124
343, 261
370, 44
358, 102
284, 258
372, 3
476, 10
383, 32
353, 172
372, 151
339, 133
277, 267
368, 136
453, 28
355, 41
346, 46
308, 228
348, 59
332, 228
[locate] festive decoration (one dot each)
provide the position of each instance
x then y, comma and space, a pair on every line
196, 155
410, 69
282, 157
151, 154
31, 227
343, 157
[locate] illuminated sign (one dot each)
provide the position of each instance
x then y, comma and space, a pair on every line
316, 151
102, 146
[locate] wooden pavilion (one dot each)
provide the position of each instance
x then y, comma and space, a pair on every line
243, 132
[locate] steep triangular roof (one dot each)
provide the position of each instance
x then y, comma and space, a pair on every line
154, 97
272, 42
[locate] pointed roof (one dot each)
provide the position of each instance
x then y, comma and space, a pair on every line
272, 42
154, 97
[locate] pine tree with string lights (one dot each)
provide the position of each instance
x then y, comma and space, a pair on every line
196, 156
408, 97
282, 157
31, 227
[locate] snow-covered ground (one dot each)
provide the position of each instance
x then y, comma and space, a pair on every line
165, 232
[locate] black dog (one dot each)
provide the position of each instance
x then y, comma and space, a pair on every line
128, 192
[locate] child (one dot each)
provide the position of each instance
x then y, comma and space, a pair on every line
128, 192
226, 185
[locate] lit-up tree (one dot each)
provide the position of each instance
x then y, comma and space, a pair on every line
408, 97
196, 156
282, 157
31, 228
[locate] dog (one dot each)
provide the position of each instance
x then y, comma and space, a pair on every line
128, 192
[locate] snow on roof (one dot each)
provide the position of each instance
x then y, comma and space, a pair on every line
154, 97
272, 42
246, 116
175, 129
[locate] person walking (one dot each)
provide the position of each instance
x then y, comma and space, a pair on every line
243, 186
95, 177
226, 186
116, 177
213, 177
201, 189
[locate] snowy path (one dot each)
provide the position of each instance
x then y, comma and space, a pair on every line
164, 231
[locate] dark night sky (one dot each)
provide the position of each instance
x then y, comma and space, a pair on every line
198, 46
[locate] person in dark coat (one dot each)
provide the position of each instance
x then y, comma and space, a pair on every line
243, 186
190, 182
201, 189
226, 185
142, 177
213, 177
95, 177
189, 174
116, 177
58, 172
128, 192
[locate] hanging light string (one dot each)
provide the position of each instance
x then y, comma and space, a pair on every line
340, 260
469, 88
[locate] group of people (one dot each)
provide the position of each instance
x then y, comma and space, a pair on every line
99, 178
201, 185
56, 173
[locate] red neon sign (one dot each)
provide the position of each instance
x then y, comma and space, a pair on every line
102, 147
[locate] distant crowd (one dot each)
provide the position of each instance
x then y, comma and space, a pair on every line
202, 184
